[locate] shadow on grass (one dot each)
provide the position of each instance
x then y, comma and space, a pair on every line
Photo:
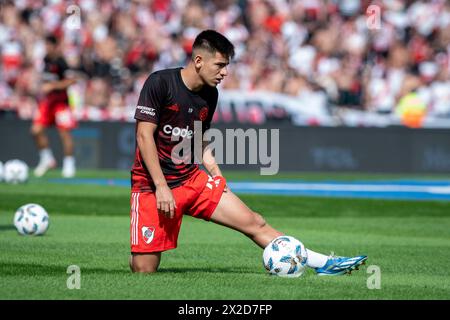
30, 269
208, 270
17, 268
6, 227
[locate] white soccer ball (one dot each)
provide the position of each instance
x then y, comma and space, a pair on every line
15, 171
285, 256
31, 219
1, 171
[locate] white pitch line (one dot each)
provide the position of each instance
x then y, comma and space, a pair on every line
339, 187
440, 190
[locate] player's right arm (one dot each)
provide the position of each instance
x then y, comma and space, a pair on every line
147, 146
151, 99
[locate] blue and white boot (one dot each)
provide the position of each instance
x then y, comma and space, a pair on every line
336, 266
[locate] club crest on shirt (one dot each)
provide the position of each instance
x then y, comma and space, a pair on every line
203, 113
148, 234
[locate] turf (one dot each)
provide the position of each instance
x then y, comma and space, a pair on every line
89, 227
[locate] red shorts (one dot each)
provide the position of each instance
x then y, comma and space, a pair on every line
153, 232
58, 113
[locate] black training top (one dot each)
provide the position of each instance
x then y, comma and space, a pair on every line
166, 101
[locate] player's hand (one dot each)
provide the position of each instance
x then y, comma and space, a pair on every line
165, 202
47, 87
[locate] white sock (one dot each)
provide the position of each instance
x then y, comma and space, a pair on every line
69, 161
316, 260
46, 154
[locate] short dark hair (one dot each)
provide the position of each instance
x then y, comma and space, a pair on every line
213, 42
51, 39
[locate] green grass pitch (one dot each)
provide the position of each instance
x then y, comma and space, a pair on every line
89, 227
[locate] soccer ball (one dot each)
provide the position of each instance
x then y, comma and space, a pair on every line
15, 171
31, 219
285, 256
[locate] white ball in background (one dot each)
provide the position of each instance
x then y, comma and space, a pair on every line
15, 171
1, 171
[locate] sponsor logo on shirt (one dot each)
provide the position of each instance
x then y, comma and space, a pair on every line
178, 132
146, 110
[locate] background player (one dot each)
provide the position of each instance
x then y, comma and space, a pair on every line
54, 109
162, 190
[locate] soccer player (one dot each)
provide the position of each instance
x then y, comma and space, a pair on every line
54, 109
163, 190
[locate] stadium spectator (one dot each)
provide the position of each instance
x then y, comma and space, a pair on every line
326, 43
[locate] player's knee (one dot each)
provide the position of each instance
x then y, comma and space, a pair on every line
143, 268
256, 227
35, 130
143, 265
259, 221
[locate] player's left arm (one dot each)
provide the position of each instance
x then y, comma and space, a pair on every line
209, 162
58, 85
208, 159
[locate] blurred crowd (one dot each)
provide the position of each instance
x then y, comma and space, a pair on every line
338, 49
